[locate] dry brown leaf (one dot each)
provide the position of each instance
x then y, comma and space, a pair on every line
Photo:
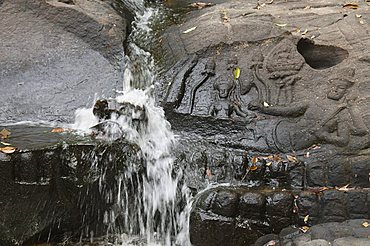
4, 133
253, 168
58, 130
291, 158
366, 224
8, 150
304, 229
277, 157
200, 5
323, 189
254, 159
351, 5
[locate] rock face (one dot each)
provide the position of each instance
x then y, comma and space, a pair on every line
273, 94
350, 232
240, 215
55, 55
62, 190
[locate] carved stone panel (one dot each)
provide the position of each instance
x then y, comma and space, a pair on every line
270, 90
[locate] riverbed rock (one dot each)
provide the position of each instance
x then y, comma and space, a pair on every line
272, 93
243, 213
55, 55
265, 78
58, 186
350, 232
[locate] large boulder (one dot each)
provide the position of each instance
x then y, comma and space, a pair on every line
56, 54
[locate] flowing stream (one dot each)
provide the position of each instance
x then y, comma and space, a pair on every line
152, 214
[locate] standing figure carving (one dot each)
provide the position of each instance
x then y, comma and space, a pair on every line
227, 101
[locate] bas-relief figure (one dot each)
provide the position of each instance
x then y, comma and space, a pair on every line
293, 123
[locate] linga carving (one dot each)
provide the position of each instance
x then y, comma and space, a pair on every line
263, 88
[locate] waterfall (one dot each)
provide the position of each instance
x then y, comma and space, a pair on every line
151, 213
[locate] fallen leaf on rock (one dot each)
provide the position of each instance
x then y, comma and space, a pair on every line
236, 73
277, 157
351, 5
8, 150
200, 5
291, 158
4, 133
271, 243
345, 188
189, 30
58, 130
323, 189
305, 220
253, 168
366, 224
208, 173
281, 25
254, 159
304, 229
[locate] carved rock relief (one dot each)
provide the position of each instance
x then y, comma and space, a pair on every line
277, 95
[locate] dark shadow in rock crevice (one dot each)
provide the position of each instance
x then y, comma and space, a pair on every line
321, 56
70, 2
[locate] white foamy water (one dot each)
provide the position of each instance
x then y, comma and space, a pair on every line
151, 213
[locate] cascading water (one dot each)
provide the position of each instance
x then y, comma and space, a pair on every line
151, 211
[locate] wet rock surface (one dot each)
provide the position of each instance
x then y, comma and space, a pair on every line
350, 232
61, 189
270, 94
241, 215
55, 55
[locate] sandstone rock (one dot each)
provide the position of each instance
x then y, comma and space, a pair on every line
55, 55
345, 233
246, 213
51, 190
254, 112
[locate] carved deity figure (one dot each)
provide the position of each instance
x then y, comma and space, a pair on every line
227, 100
336, 128
346, 119
277, 74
